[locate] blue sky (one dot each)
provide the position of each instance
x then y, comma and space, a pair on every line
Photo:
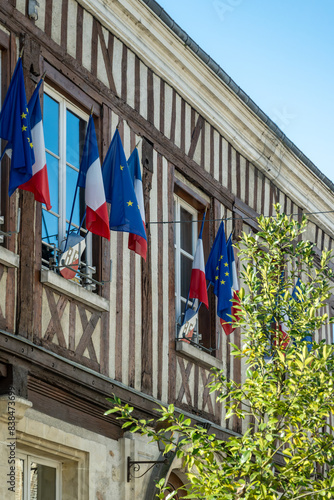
280, 53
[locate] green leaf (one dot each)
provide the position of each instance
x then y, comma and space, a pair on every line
245, 457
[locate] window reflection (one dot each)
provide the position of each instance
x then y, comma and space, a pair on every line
64, 132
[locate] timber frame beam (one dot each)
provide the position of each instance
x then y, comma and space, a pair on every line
81, 382
55, 57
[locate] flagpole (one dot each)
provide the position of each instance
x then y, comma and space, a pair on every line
84, 215
75, 196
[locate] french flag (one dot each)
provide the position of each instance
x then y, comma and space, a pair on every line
197, 280
38, 184
137, 243
227, 322
90, 178
284, 338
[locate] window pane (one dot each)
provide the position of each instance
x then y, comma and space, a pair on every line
71, 184
53, 175
75, 135
186, 265
19, 478
42, 482
49, 228
51, 124
186, 228
79, 206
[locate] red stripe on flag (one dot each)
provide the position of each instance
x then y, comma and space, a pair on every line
138, 244
198, 286
97, 222
283, 338
228, 326
39, 186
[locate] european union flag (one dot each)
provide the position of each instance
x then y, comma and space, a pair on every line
15, 128
217, 271
124, 210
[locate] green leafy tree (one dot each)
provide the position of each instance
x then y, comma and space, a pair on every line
287, 398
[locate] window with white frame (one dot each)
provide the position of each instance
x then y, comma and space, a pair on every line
185, 238
37, 478
64, 131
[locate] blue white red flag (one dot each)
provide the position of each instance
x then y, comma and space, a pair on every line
124, 210
38, 184
227, 320
284, 338
197, 280
136, 242
217, 272
15, 128
90, 178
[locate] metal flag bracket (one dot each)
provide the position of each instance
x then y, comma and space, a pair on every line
8, 234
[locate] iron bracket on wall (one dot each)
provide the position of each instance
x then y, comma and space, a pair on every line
135, 466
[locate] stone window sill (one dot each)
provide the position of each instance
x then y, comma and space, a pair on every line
8, 258
74, 291
200, 357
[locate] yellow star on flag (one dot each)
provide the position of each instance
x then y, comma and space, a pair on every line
226, 264
31, 145
121, 167
24, 128
130, 203
226, 274
23, 116
222, 282
216, 277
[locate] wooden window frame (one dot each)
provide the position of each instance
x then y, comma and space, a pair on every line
199, 204
4, 167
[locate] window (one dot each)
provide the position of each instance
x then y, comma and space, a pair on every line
189, 207
64, 130
185, 238
37, 478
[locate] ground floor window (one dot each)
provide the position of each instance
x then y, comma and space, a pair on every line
37, 478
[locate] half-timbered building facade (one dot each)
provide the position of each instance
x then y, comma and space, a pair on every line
65, 346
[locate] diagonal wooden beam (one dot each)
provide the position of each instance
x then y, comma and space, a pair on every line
88, 330
206, 392
57, 311
107, 54
195, 136
185, 373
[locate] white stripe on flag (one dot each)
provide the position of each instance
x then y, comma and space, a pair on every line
95, 196
138, 186
37, 135
198, 262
